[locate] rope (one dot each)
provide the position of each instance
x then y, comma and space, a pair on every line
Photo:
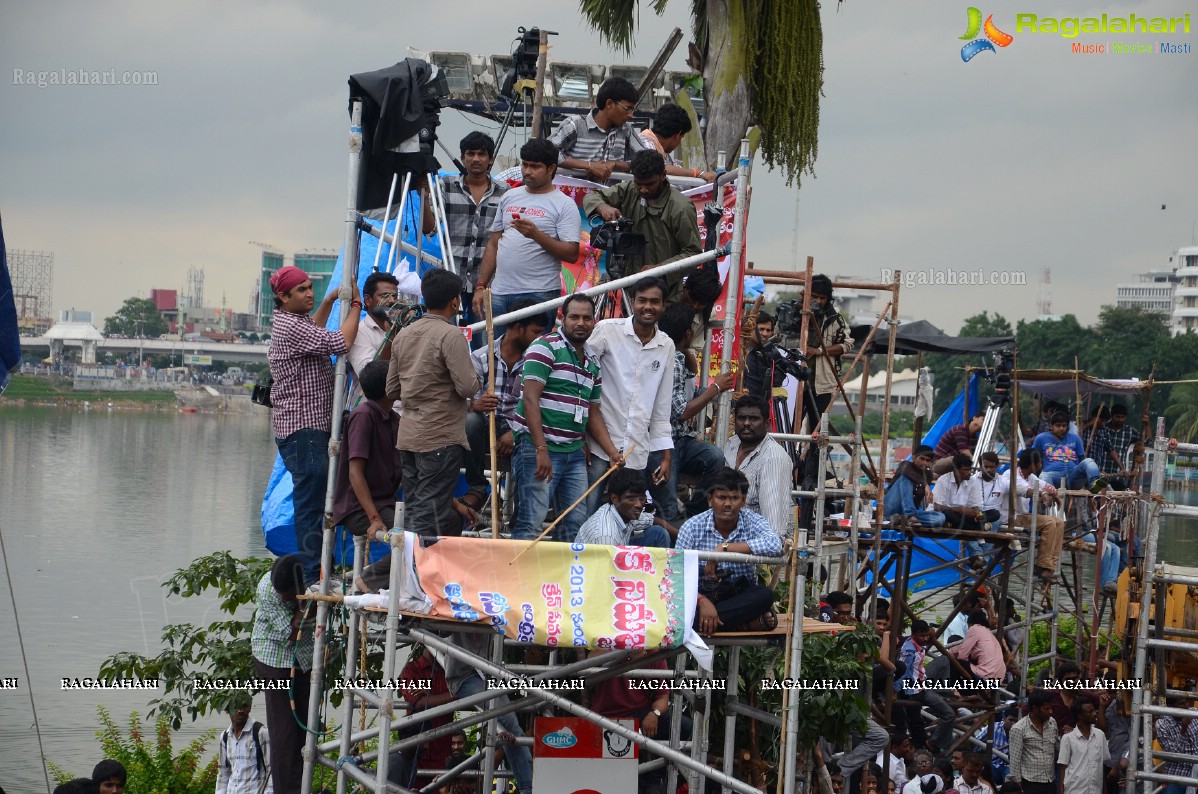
12, 594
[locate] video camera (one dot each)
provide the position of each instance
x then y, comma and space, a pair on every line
620, 242
524, 61
789, 360
1002, 371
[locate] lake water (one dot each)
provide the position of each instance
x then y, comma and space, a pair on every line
98, 508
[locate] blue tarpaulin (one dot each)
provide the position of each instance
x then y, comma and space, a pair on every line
278, 522
10, 339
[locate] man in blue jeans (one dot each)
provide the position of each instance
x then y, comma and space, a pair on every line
559, 404
1065, 461
302, 397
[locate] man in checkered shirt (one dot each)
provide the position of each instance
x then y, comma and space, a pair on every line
301, 397
730, 597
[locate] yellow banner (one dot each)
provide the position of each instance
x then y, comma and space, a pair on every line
559, 594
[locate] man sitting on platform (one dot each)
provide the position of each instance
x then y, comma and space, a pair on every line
762, 460
957, 440
602, 140
907, 494
1049, 528
1065, 461
991, 495
622, 522
956, 494
730, 597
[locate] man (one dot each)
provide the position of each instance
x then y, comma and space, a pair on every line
730, 597
1033, 746
670, 124
828, 340
622, 522
368, 470
762, 460
907, 493
895, 766
301, 398
242, 751
637, 361
971, 781
508, 352
423, 687
761, 374
1177, 736
110, 777
432, 373
281, 642
1044, 423
535, 229
471, 202
664, 216
1050, 529
379, 294
601, 141
1097, 439
980, 653
1064, 455
1123, 437
560, 403
957, 496
457, 743
957, 440
691, 455
991, 498
837, 607
1083, 754
908, 685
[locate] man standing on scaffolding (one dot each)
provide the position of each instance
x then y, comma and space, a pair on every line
828, 340
1051, 529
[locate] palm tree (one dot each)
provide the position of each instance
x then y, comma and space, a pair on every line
762, 62
1183, 408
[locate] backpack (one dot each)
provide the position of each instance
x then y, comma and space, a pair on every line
255, 729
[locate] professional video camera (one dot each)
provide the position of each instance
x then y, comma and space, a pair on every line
789, 360
524, 61
1002, 371
620, 242
788, 318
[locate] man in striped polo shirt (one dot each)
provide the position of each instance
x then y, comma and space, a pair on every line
559, 404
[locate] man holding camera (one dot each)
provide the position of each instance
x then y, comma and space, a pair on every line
665, 217
379, 294
828, 340
301, 397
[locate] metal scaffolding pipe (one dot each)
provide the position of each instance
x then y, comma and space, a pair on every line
734, 280
389, 239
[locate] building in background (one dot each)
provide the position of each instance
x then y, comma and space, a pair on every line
904, 386
1151, 291
1171, 291
32, 274
1185, 294
318, 264
74, 315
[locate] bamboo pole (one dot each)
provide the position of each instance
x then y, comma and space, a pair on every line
577, 502
492, 352
538, 95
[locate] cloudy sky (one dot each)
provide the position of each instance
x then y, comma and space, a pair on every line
1028, 158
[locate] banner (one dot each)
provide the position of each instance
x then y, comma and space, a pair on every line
559, 594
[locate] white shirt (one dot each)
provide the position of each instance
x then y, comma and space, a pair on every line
1083, 759
991, 490
982, 786
238, 772
366, 345
947, 491
768, 469
898, 769
1022, 503
638, 381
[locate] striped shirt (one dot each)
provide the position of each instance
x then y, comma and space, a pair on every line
1174, 740
605, 526
1121, 439
508, 384
469, 223
302, 391
581, 138
699, 534
680, 397
237, 770
572, 387
1034, 754
769, 470
271, 640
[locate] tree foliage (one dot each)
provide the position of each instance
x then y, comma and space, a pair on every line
761, 61
136, 317
151, 764
1183, 409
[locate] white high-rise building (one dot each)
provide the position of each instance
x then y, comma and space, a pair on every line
1151, 291
1185, 293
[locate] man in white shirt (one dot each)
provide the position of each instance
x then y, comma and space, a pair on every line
243, 750
1050, 529
379, 294
622, 521
763, 461
970, 781
636, 362
957, 496
1083, 753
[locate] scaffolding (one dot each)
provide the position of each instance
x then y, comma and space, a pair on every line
32, 275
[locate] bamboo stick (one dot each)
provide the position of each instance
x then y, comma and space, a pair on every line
491, 354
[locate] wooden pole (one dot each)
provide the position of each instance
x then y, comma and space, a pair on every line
538, 95
917, 427
491, 354
577, 502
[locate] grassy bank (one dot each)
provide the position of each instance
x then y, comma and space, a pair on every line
35, 390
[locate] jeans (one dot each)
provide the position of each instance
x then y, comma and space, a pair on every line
518, 756
654, 537
1081, 475
691, 456
501, 304
1110, 558
750, 601
429, 479
305, 453
865, 749
976, 548
566, 484
478, 457
929, 518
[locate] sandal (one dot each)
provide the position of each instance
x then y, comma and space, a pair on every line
473, 500
766, 621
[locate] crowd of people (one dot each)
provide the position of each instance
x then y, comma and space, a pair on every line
578, 400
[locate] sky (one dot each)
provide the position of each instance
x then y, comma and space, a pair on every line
1026, 158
